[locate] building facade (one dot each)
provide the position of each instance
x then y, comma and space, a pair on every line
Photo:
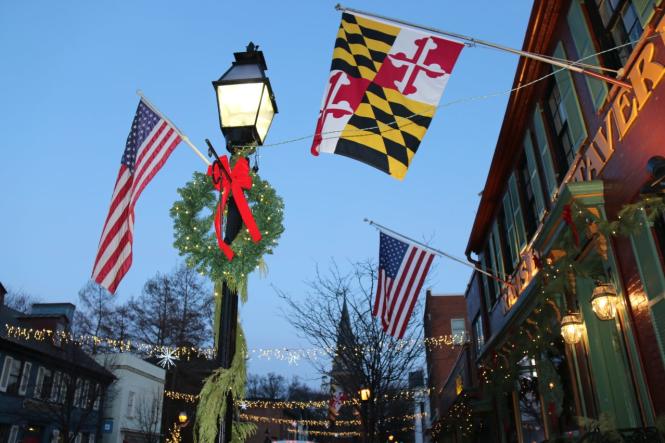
569, 219
444, 316
50, 390
133, 412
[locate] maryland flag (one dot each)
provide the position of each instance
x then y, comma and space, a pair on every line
384, 86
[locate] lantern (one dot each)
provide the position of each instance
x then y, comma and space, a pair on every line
183, 419
571, 328
245, 100
604, 301
365, 394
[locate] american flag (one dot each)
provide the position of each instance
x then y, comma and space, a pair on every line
402, 271
149, 144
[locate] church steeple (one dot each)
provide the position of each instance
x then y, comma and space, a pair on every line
345, 339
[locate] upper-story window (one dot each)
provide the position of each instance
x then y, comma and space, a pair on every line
479, 335
586, 51
11, 373
566, 117
621, 23
492, 261
458, 330
43, 384
514, 221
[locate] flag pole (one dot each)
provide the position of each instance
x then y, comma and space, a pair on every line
438, 252
180, 133
572, 66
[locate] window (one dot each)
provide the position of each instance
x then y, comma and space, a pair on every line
85, 395
458, 328
566, 116
78, 390
659, 231
97, 393
622, 22
492, 261
91, 438
585, 51
78, 438
56, 386
478, 333
130, 404
11, 371
55, 436
43, 384
514, 223
25, 378
64, 388
542, 150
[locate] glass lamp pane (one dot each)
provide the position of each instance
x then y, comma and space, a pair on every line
239, 104
266, 114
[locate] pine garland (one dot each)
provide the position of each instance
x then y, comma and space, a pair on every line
212, 399
195, 236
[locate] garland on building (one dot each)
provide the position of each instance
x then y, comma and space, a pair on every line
539, 336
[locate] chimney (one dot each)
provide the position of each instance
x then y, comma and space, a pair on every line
3, 292
55, 310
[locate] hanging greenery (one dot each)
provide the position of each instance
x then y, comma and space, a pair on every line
195, 237
212, 399
539, 337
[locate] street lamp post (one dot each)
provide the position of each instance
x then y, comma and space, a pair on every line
246, 108
365, 396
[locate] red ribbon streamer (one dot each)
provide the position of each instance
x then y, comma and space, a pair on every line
232, 182
567, 216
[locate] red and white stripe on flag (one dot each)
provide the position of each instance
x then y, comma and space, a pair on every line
149, 144
403, 268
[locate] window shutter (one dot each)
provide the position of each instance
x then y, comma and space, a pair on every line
544, 152
585, 50
517, 214
91, 439
25, 377
78, 438
6, 368
569, 98
55, 436
534, 176
77, 392
13, 433
64, 388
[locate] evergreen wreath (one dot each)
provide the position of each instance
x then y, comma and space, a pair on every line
195, 237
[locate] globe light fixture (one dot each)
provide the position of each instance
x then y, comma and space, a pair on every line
604, 300
245, 100
391, 437
571, 328
365, 394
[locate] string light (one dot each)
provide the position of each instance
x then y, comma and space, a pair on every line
308, 422
291, 356
316, 404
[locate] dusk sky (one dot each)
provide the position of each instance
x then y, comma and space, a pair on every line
67, 98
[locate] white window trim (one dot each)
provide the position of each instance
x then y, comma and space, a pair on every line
98, 396
25, 378
13, 433
6, 367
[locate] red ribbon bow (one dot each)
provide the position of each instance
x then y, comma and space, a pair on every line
232, 181
568, 218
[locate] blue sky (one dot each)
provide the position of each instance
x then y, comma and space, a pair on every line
67, 97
